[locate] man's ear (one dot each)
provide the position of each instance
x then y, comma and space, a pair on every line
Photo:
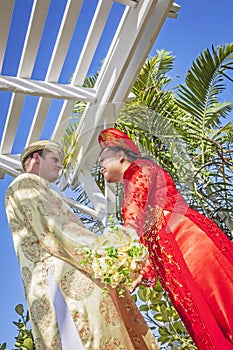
37, 157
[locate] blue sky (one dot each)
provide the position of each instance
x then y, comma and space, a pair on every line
200, 24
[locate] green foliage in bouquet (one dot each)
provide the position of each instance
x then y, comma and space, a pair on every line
117, 257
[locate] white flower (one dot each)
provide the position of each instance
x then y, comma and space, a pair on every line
117, 256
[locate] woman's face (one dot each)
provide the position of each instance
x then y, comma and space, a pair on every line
111, 164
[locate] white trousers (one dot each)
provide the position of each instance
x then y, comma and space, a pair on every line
69, 335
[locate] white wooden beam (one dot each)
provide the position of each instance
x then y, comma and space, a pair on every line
97, 198
88, 51
33, 37
10, 164
46, 89
31, 44
64, 37
139, 52
82, 208
139, 26
131, 3
11, 123
124, 60
173, 13
6, 8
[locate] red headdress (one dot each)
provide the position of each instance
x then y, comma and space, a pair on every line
115, 138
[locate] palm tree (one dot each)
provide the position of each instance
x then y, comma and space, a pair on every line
209, 143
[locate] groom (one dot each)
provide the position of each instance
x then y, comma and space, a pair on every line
47, 236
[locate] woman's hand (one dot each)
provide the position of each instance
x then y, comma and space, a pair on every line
147, 277
137, 282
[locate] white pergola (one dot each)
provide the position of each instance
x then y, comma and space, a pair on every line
135, 34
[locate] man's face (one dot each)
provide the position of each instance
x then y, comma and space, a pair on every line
50, 166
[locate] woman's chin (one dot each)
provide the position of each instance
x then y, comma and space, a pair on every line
107, 179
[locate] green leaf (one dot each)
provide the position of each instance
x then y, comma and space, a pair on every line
19, 309
27, 344
144, 293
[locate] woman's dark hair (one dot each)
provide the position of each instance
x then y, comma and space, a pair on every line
130, 154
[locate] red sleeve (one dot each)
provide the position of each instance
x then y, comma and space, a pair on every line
149, 275
136, 187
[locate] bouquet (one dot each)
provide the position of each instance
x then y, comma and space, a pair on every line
117, 257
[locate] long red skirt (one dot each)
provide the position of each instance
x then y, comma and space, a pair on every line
193, 259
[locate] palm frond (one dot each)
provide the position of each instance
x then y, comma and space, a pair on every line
204, 83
